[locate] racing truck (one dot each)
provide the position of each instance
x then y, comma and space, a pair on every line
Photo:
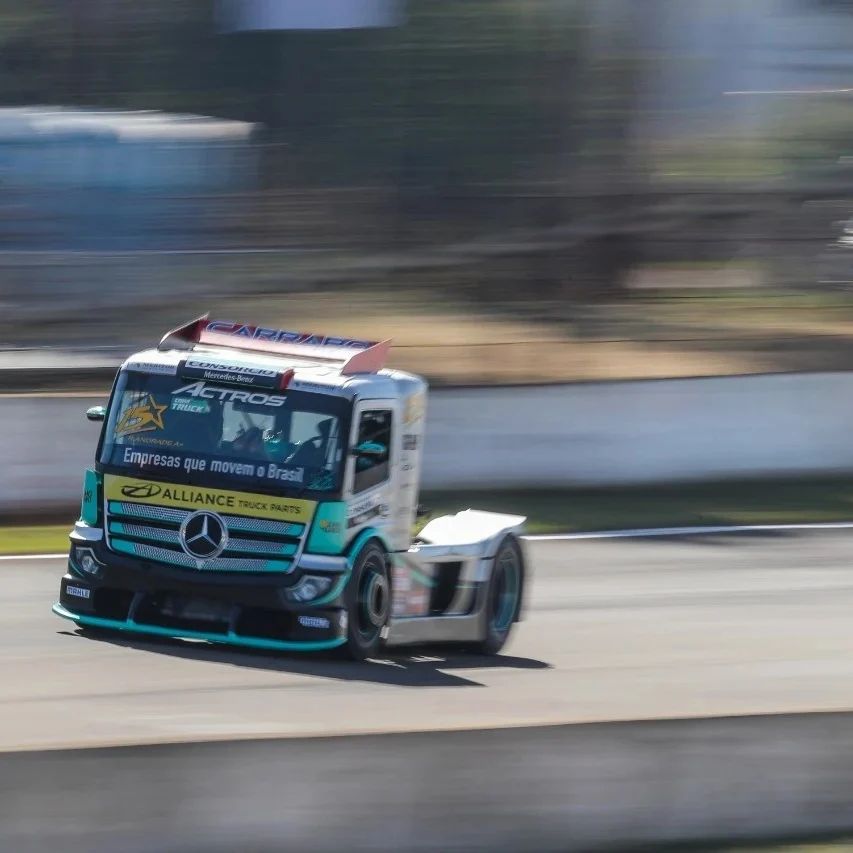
259, 487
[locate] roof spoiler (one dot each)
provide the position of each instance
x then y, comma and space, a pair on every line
352, 356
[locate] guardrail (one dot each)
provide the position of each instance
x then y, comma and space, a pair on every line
637, 785
594, 434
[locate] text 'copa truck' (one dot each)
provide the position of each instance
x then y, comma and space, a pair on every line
260, 487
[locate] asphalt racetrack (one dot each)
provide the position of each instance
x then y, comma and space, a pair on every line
615, 630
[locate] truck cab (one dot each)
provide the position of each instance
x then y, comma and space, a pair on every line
260, 487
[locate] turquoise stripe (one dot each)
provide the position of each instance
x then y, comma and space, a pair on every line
337, 588
359, 542
421, 578
329, 528
124, 547
89, 507
340, 585
228, 639
286, 550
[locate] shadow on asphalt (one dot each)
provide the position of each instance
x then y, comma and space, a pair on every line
414, 666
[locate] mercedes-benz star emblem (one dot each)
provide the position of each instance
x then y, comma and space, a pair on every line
203, 535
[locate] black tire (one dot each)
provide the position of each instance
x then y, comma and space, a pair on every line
503, 596
368, 598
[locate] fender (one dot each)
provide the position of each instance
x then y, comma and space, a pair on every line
352, 552
469, 533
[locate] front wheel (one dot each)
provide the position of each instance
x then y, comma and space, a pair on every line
368, 602
503, 596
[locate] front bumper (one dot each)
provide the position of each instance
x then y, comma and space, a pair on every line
185, 634
244, 610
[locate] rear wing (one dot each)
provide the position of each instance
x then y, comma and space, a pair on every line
351, 356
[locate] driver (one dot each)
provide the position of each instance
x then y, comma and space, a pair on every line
250, 442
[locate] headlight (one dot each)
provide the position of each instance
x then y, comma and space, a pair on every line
310, 587
86, 561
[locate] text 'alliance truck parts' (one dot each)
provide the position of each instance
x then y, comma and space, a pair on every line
259, 487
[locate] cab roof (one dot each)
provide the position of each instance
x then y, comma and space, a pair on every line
273, 358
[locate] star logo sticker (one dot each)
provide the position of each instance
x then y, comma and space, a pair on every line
143, 417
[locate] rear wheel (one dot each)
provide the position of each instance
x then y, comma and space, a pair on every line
503, 596
368, 602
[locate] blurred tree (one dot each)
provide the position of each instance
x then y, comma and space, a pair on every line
476, 116
467, 88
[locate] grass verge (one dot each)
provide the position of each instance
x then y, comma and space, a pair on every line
830, 844
734, 502
568, 510
42, 539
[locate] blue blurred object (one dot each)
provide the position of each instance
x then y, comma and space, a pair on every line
315, 15
88, 179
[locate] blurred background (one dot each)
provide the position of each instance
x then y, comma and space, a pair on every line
514, 190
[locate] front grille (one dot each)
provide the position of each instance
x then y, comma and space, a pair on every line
153, 533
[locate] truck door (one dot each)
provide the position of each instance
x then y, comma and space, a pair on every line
371, 479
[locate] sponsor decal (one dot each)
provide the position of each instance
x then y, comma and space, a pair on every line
153, 441
141, 490
146, 416
415, 408
89, 504
327, 535
365, 510
190, 405
215, 371
144, 459
153, 367
410, 442
235, 469
258, 333
283, 474
218, 500
314, 622
410, 597
229, 395
228, 467
315, 387
78, 591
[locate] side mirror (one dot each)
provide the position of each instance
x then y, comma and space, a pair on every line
96, 413
370, 450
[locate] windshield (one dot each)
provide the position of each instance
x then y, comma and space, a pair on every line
246, 438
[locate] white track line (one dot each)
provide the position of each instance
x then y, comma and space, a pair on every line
636, 533
644, 532
34, 557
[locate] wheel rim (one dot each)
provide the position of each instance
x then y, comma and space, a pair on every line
372, 603
506, 586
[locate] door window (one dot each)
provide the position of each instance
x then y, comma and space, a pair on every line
374, 431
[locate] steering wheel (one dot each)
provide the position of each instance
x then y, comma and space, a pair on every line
312, 444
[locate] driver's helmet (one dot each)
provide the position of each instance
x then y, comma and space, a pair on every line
250, 442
